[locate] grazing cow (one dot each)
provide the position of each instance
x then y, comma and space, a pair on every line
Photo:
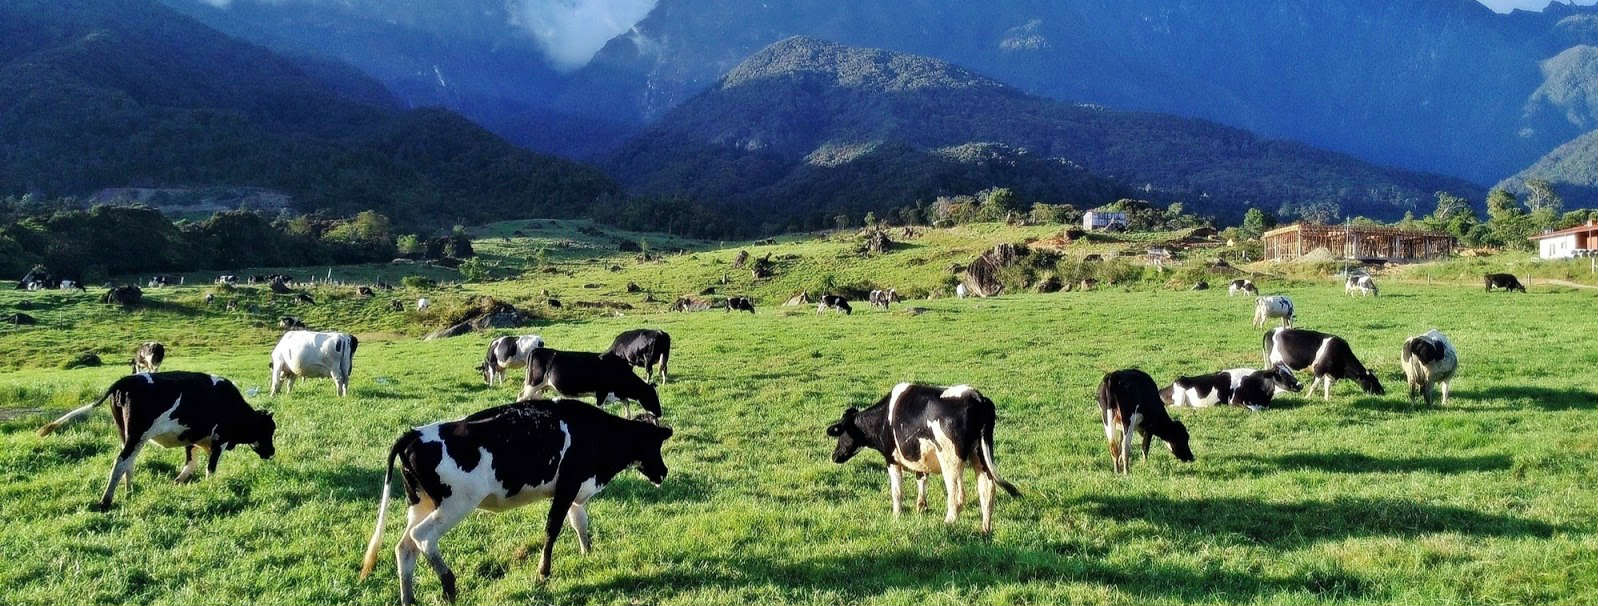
173, 409
365, 291
1087, 284
1361, 285
926, 430
290, 323
422, 303
1246, 387
232, 305
302, 354
396, 305
1506, 282
228, 279
1201, 285
643, 348
576, 373
210, 298
834, 302
71, 285
1429, 359
148, 357
508, 352
959, 290
304, 299
1131, 402
1241, 285
883, 298
1274, 306
1328, 357
740, 304
502, 458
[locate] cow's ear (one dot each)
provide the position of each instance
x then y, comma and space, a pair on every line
850, 412
665, 433
835, 429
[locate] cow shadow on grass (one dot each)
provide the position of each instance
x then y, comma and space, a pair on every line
1295, 524
1353, 462
1546, 398
976, 564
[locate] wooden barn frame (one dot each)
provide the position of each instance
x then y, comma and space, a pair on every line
1365, 243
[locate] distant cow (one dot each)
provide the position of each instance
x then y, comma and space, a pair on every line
1360, 285
1130, 402
365, 291
882, 298
1328, 357
644, 348
228, 279
290, 323
959, 290
577, 373
173, 409
1201, 285
740, 304
926, 430
148, 357
1274, 306
1243, 286
422, 303
1507, 282
502, 458
1429, 359
834, 302
505, 353
1247, 387
72, 285
301, 354
396, 305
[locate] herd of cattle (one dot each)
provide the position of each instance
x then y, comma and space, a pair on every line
567, 451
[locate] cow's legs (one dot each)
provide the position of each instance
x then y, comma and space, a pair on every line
895, 486
577, 516
188, 464
1147, 437
427, 532
952, 469
985, 487
1444, 386
277, 377
561, 503
123, 467
1326, 388
406, 551
1126, 450
921, 492
1109, 438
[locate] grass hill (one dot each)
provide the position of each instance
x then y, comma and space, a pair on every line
1570, 168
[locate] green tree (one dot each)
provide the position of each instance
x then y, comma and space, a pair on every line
408, 244
871, 219
842, 221
475, 270
1541, 195
1448, 204
1253, 223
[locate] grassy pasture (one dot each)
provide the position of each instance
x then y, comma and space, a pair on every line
1362, 499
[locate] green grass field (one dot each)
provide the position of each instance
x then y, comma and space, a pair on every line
1362, 499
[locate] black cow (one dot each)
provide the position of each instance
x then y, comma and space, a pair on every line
1507, 282
643, 348
148, 357
834, 302
1246, 387
173, 409
1131, 402
928, 430
577, 373
505, 457
1328, 357
740, 304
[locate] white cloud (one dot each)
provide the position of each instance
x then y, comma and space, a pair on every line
1504, 6
571, 31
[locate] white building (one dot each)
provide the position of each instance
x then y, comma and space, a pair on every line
1579, 241
1101, 219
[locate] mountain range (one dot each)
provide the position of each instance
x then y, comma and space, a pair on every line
1444, 86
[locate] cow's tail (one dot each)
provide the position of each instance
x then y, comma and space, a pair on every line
991, 467
76, 412
349, 356
376, 543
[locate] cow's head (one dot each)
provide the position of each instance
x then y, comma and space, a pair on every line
1367, 381
646, 449
850, 438
1285, 379
1175, 438
255, 431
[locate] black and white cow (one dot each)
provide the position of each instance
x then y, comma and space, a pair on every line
1429, 359
506, 457
928, 429
187, 409
1130, 402
834, 302
505, 353
1247, 387
578, 373
883, 298
148, 357
301, 353
1506, 282
740, 304
1241, 285
644, 347
1328, 357
1274, 306
1360, 285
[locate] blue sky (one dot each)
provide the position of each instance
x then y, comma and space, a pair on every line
1504, 6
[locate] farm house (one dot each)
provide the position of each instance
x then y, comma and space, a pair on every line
1578, 241
1365, 243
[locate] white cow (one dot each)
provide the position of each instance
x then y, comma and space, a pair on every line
421, 304
506, 353
1361, 285
303, 353
1429, 359
959, 290
1274, 306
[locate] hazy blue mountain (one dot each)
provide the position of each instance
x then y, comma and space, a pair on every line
118, 93
806, 126
1572, 168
